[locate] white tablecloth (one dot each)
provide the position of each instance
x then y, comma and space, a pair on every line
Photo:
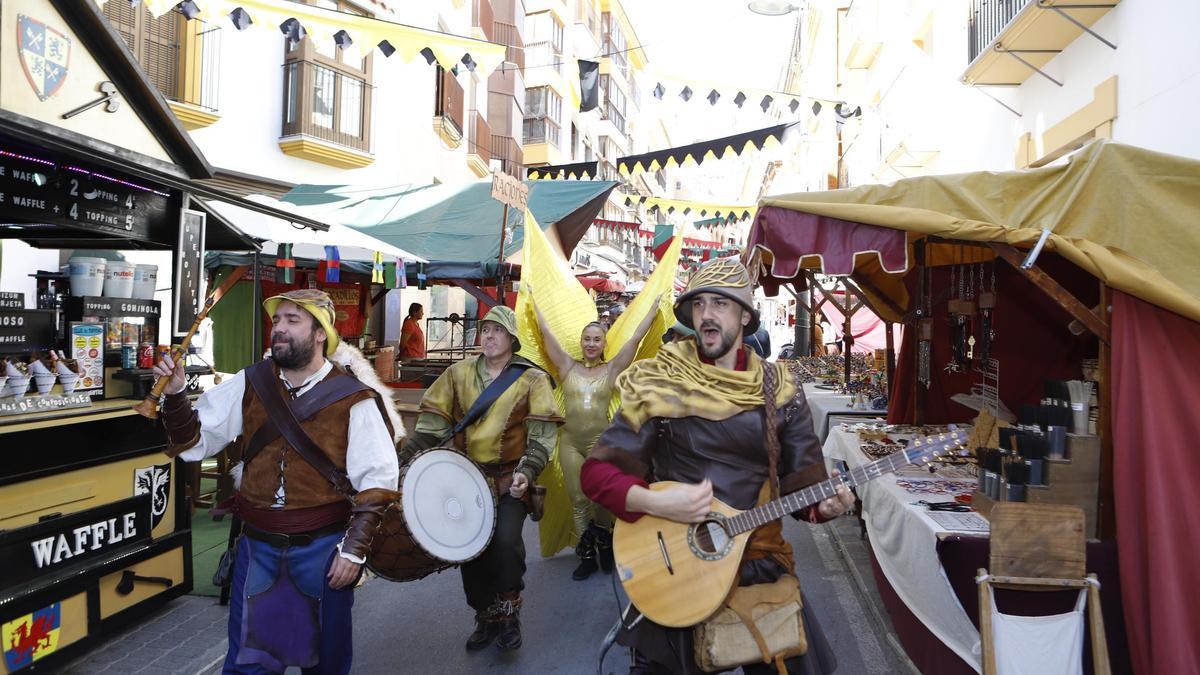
904, 541
825, 402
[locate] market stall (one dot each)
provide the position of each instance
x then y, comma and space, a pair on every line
94, 522
995, 277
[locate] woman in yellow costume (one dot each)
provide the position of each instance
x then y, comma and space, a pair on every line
558, 326
587, 389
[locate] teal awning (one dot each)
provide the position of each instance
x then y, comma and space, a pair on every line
455, 227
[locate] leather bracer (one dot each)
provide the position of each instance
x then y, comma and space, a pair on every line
365, 517
182, 423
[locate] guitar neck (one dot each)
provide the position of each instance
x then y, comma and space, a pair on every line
774, 510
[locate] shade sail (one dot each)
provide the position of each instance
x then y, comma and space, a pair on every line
1124, 214
307, 244
455, 227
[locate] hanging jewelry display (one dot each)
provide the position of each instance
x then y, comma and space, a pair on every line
987, 309
957, 308
925, 328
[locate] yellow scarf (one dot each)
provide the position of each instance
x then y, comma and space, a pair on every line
677, 384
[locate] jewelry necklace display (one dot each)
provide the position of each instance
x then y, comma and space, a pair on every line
925, 328
987, 309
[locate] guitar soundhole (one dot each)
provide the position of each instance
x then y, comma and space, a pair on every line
711, 538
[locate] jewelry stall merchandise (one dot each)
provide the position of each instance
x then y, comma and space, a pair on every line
925, 328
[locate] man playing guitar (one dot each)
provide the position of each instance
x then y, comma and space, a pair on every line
695, 415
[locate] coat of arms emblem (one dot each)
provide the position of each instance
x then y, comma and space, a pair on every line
155, 481
45, 55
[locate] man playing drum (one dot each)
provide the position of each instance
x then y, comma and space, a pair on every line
511, 442
305, 539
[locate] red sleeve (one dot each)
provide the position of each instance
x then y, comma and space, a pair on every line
608, 486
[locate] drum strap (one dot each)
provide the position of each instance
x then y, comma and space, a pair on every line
489, 395
284, 417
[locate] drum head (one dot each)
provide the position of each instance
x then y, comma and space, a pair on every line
448, 505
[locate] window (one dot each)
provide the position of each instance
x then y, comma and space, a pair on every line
544, 28
180, 57
543, 112
614, 102
327, 97
614, 44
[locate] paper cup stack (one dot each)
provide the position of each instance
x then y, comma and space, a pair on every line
66, 377
17, 383
42, 376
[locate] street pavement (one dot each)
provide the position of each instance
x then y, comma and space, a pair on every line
420, 627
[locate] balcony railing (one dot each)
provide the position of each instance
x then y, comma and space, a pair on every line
986, 21
327, 104
546, 55
483, 17
507, 34
541, 130
448, 100
479, 136
508, 151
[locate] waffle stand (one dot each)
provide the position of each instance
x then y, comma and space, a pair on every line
94, 523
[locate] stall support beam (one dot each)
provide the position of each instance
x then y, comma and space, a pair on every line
1078, 311
1106, 523
475, 292
255, 313
891, 354
919, 392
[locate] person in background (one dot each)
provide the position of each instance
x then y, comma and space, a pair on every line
412, 338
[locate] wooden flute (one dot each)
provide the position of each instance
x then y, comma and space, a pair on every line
149, 406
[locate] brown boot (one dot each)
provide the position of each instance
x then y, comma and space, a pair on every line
486, 629
508, 617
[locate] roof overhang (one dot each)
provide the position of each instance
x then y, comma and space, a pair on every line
1040, 31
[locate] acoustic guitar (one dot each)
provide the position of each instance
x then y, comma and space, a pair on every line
678, 574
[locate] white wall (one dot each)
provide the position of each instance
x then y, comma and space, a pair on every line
17, 261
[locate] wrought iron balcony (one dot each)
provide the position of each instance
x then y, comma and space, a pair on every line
986, 20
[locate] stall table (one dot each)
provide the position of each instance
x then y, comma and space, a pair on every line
824, 401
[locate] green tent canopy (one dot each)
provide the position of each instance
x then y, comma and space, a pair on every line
456, 227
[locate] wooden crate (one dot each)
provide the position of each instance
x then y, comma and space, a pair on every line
1074, 481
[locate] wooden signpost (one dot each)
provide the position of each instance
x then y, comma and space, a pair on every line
510, 192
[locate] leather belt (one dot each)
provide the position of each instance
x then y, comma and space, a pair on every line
280, 540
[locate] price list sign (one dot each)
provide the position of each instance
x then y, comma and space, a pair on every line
40, 191
189, 268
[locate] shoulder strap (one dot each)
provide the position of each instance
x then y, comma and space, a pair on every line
772, 426
325, 393
489, 395
280, 414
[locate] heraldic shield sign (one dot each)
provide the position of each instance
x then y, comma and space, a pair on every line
155, 481
31, 637
45, 55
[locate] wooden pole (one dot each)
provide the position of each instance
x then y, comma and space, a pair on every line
500, 258
919, 392
891, 354
256, 349
847, 312
1106, 525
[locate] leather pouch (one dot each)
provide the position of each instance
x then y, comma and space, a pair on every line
758, 624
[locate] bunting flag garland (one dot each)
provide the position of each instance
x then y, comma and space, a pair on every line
330, 269
421, 277
334, 29
686, 88
394, 273
578, 170
377, 268
286, 264
717, 148
684, 206
709, 223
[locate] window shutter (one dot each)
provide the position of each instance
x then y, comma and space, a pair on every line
123, 17
160, 50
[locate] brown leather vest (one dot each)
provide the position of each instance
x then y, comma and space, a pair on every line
304, 486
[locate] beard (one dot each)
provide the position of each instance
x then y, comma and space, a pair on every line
292, 353
729, 337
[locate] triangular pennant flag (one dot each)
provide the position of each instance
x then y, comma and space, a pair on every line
794, 105
713, 97
421, 276
377, 268
766, 102
333, 265
816, 108
285, 263
659, 90
739, 99
686, 94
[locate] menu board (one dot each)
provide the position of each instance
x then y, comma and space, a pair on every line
189, 268
87, 348
24, 330
40, 191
